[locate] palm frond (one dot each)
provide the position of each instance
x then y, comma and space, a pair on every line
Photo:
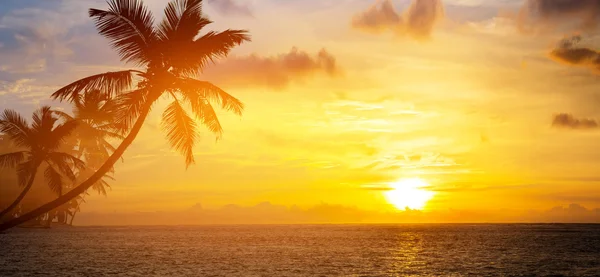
16, 128
128, 24
60, 134
181, 130
109, 83
183, 21
130, 106
204, 111
63, 168
108, 148
43, 119
208, 48
54, 180
106, 176
109, 134
101, 186
213, 94
25, 171
68, 159
81, 198
96, 108
12, 159
63, 115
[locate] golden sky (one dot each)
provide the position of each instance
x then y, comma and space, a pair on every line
344, 98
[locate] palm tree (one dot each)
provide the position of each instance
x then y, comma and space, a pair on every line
95, 114
42, 141
172, 55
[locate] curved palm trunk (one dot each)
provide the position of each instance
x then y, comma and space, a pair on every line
105, 168
23, 193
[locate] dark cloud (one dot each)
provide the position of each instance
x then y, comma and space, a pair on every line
231, 7
579, 14
568, 52
275, 71
417, 21
568, 121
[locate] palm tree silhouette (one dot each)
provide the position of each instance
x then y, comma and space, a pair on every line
95, 114
172, 55
42, 141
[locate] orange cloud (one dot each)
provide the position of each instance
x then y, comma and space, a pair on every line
568, 121
379, 17
418, 20
276, 71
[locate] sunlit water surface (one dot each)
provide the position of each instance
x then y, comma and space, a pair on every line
303, 250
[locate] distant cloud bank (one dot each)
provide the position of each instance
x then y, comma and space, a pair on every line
267, 213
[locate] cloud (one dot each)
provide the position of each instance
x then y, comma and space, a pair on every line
570, 53
422, 160
43, 36
417, 21
379, 17
267, 213
568, 121
275, 71
230, 7
548, 14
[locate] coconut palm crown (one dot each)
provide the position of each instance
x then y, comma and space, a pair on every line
172, 54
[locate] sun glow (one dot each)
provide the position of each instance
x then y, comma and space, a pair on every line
409, 193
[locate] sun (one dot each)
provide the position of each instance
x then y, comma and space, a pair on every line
409, 193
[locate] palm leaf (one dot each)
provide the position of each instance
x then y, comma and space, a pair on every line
204, 112
64, 168
96, 107
109, 134
24, 172
43, 119
101, 186
183, 20
60, 134
181, 130
208, 48
128, 24
130, 107
53, 179
63, 115
16, 128
12, 159
213, 94
67, 159
109, 147
109, 83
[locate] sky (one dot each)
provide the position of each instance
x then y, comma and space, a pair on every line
493, 104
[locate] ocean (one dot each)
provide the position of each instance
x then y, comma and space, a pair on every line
305, 250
